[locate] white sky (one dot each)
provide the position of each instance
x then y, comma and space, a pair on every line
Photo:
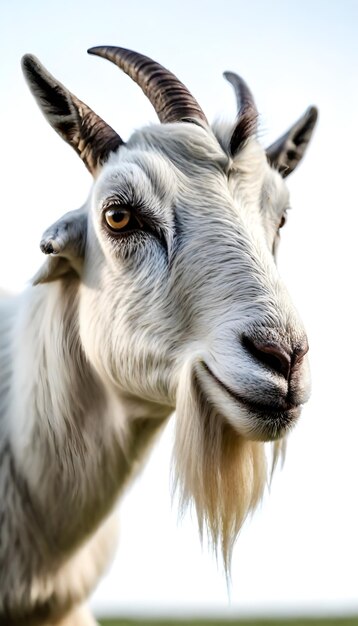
300, 550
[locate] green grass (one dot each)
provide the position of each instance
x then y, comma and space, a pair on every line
334, 621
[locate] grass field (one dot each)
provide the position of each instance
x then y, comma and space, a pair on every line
334, 621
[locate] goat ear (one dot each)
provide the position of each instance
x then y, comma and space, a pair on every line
64, 242
287, 152
73, 120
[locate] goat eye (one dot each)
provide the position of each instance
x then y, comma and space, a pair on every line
117, 218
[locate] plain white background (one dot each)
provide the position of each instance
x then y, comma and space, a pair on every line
299, 552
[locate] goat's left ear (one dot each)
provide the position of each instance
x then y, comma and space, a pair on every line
64, 242
286, 153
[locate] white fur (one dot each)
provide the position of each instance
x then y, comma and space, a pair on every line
93, 363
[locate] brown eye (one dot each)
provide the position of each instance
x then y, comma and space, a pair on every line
117, 218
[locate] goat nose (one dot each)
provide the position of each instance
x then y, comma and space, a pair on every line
277, 357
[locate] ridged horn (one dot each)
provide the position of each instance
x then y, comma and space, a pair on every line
171, 100
246, 125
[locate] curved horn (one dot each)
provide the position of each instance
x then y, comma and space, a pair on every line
73, 120
170, 98
247, 112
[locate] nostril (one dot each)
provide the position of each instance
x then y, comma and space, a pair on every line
271, 354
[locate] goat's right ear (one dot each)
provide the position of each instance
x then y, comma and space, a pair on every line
65, 243
286, 153
73, 120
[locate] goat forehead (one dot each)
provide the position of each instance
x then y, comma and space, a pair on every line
182, 142
166, 165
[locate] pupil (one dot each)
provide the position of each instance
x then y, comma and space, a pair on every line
118, 216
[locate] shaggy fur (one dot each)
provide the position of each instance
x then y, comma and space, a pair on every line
116, 333
216, 468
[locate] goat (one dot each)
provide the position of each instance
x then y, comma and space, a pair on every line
160, 293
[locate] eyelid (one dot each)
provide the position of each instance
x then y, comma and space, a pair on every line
114, 201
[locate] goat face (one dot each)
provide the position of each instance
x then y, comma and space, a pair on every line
180, 300
178, 267
190, 279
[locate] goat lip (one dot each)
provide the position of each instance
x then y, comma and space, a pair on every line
281, 406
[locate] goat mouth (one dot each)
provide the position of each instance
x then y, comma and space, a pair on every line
274, 418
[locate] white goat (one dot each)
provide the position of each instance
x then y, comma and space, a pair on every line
161, 292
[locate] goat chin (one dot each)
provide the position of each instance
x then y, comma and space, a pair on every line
219, 472
251, 419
